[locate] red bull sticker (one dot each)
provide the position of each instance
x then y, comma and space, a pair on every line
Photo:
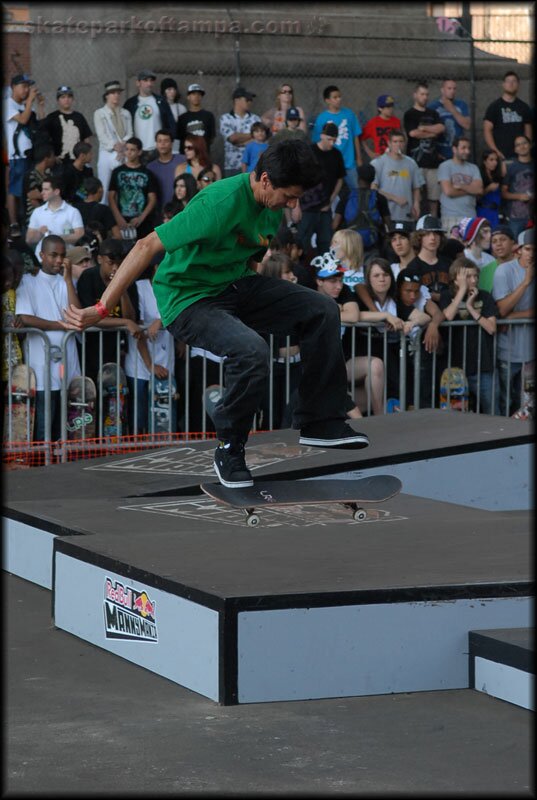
128, 613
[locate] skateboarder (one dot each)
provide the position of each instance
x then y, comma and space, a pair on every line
210, 296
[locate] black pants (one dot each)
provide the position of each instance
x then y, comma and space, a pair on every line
230, 325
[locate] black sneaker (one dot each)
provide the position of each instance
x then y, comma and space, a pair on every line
335, 433
230, 465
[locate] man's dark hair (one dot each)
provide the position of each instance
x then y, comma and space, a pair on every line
289, 162
260, 126
457, 139
56, 182
51, 240
164, 132
396, 132
91, 185
41, 151
82, 148
327, 91
511, 72
136, 142
421, 84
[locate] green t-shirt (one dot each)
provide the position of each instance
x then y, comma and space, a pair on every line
486, 276
209, 244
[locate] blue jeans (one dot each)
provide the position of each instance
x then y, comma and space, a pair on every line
319, 222
231, 325
352, 177
486, 385
510, 377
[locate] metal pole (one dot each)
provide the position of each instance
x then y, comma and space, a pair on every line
467, 28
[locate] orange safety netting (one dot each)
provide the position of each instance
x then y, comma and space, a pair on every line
22, 455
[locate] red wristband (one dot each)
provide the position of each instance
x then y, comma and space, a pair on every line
101, 309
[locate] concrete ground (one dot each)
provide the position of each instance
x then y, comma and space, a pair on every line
79, 720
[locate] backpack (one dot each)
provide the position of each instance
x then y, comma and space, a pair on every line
362, 215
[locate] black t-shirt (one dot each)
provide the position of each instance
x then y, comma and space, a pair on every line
72, 181
90, 288
333, 168
96, 212
132, 186
346, 296
423, 151
435, 277
508, 120
198, 123
65, 130
485, 305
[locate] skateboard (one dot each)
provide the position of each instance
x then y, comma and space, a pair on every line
527, 399
454, 389
352, 494
114, 413
162, 407
19, 412
81, 397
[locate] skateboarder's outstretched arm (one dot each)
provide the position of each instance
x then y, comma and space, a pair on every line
136, 262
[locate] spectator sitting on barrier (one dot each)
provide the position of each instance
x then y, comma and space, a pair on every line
75, 172
514, 292
476, 235
40, 302
330, 273
184, 189
470, 348
151, 353
428, 263
197, 158
44, 161
163, 167
502, 245
91, 285
206, 176
493, 172
12, 272
275, 118
92, 209
54, 216
253, 149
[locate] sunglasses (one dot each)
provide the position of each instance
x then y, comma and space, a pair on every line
189, 147
206, 179
286, 91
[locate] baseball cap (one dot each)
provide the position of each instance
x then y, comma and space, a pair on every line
111, 247
330, 129
429, 223
195, 87
292, 113
23, 78
506, 230
113, 86
403, 227
78, 254
63, 90
526, 237
240, 91
470, 226
144, 74
327, 265
385, 100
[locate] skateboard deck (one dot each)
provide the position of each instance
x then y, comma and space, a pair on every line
81, 397
352, 493
162, 406
454, 389
114, 407
527, 393
19, 412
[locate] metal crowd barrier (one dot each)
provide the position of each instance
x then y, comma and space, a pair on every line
184, 410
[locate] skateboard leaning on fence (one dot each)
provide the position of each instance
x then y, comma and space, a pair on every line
19, 413
527, 393
352, 494
162, 406
81, 397
112, 384
454, 391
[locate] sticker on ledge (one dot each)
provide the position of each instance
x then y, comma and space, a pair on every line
128, 614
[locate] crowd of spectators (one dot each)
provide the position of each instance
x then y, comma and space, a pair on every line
407, 230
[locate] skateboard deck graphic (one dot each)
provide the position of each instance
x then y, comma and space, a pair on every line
374, 489
162, 407
81, 408
19, 412
114, 413
454, 389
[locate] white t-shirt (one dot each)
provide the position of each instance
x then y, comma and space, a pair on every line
147, 121
58, 221
12, 109
485, 259
352, 277
45, 296
161, 350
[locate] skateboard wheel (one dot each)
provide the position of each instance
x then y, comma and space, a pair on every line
252, 520
359, 515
